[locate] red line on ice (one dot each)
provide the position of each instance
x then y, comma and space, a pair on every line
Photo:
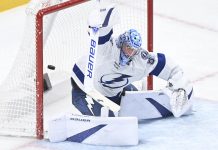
187, 22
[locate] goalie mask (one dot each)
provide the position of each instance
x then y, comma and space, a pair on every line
130, 44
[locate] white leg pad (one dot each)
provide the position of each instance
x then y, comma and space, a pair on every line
114, 131
146, 105
57, 129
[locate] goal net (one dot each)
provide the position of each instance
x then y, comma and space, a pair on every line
55, 34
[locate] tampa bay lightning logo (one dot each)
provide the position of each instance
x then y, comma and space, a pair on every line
115, 80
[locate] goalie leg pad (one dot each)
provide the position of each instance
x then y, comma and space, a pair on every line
147, 105
94, 130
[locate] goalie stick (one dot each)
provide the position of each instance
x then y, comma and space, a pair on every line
88, 82
90, 70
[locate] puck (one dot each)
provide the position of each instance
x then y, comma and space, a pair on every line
51, 67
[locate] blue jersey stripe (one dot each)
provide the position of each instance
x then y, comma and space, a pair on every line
116, 99
103, 39
78, 73
160, 65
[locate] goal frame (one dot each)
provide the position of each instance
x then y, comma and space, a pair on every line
39, 54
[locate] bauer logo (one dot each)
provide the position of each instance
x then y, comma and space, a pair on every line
102, 10
91, 58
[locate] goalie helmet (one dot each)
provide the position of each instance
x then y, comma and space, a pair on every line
130, 44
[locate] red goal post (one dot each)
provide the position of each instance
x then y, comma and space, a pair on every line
39, 58
150, 37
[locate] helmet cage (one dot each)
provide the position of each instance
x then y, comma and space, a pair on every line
130, 39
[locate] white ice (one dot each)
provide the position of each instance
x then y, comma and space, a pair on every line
186, 30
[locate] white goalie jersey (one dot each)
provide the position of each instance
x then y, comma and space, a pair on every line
110, 77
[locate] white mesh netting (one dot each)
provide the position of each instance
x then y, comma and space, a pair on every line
65, 40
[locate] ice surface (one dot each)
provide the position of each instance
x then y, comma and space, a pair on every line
195, 132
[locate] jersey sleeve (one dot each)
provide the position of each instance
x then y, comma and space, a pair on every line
105, 35
165, 67
105, 40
